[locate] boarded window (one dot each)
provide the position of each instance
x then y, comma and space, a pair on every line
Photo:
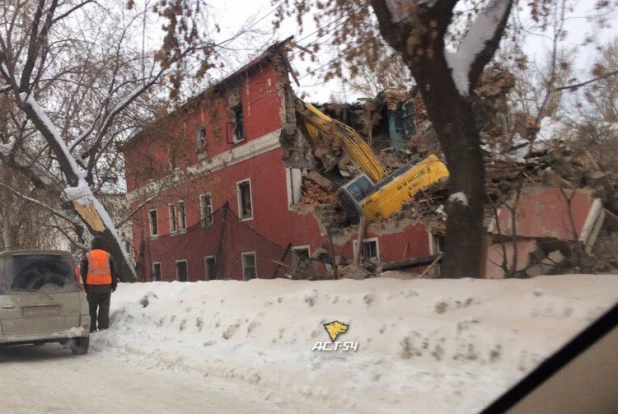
245, 206
206, 210
238, 124
156, 271
182, 273
182, 216
173, 221
210, 266
249, 268
154, 224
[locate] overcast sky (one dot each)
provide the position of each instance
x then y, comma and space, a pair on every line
231, 14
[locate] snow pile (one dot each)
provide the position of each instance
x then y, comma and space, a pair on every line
439, 346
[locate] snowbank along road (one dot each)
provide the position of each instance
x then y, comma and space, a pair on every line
438, 346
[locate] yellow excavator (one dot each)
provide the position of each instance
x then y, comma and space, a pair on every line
374, 194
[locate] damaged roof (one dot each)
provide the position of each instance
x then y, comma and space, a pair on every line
274, 50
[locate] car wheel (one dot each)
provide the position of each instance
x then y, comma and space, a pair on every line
79, 346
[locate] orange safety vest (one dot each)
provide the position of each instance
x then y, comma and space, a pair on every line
99, 272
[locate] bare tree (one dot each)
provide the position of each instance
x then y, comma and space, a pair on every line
78, 84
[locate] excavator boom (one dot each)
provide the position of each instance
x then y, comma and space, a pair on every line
340, 134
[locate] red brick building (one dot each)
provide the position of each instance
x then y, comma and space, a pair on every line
220, 182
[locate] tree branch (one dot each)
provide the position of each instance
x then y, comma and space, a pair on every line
71, 11
36, 42
80, 246
40, 204
588, 82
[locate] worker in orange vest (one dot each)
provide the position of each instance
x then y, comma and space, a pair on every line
100, 280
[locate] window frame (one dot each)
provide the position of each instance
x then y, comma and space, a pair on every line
239, 197
206, 258
174, 158
182, 216
186, 262
294, 181
151, 228
173, 219
242, 261
202, 147
202, 215
368, 240
152, 272
235, 110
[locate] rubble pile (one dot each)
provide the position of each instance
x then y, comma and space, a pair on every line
557, 166
314, 194
564, 205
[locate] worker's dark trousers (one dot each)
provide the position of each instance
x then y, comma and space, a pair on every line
100, 301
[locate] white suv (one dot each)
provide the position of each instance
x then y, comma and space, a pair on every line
42, 300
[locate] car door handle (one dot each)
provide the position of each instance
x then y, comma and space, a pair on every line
8, 306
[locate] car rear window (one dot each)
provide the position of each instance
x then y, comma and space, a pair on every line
37, 272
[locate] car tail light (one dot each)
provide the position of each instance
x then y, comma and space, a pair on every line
78, 278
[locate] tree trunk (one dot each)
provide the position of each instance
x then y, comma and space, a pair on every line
421, 40
464, 236
452, 117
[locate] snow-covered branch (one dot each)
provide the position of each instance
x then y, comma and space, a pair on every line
478, 45
47, 128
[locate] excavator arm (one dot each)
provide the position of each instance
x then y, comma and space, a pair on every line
374, 194
339, 134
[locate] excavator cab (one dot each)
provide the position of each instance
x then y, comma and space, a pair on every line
361, 197
353, 193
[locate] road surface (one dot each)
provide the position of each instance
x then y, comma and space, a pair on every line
49, 379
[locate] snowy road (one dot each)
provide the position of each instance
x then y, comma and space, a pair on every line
425, 346
49, 379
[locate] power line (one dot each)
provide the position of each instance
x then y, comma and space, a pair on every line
332, 60
266, 15
325, 33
